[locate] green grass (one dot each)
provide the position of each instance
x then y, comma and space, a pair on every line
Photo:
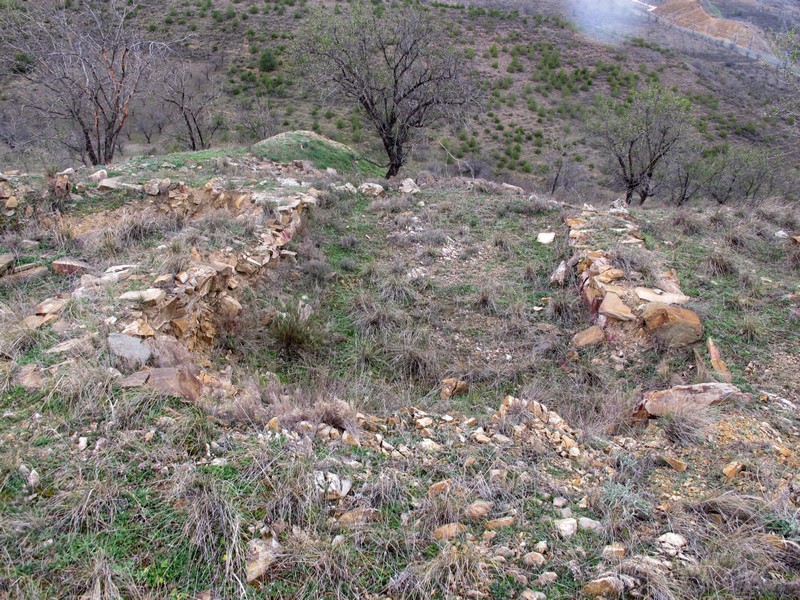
324, 153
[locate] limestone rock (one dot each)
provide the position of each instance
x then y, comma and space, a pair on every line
6, 262
567, 527
500, 523
546, 237
358, 516
587, 524
175, 381
606, 587
589, 337
673, 539
684, 397
69, 266
371, 189
534, 559
672, 326
79, 345
25, 275
449, 531
547, 578
51, 306
331, 485
151, 296
452, 387
533, 595
478, 510
652, 295
614, 551
98, 175
732, 469
132, 350
407, 186
677, 464
260, 556
612, 306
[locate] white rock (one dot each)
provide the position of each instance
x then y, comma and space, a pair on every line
546, 237
408, 186
288, 182
33, 479
567, 527
83, 443
151, 296
781, 234
371, 189
673, 539
587, 524
330, 484
533, 595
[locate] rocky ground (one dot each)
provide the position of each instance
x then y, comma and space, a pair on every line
227, 377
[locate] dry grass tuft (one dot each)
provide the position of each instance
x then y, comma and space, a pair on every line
687, 427
687, 223
412, 357
718, 263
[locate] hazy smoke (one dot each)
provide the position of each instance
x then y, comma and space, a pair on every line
607, 20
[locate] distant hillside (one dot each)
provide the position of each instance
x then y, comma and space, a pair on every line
693, 15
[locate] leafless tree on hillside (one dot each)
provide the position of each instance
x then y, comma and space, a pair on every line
193, 95
639, 134
398, 67
83, 67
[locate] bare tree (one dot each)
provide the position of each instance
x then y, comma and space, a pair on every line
82, 68
193, 94
398, 67
786, 47
638, 134
255, 120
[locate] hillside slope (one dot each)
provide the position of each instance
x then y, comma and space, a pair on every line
226, 377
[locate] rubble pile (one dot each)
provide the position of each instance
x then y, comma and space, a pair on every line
629, 315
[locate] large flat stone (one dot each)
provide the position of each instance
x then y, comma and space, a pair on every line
70, 266
174, 381
684, 398
129, 348
589, 337
672, 326
612, 306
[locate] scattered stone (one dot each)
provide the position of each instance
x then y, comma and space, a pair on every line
83, 443
781, 235
407, 186
732, 469
547, 578
331, 485
540, 547
560, 502
719, 366
546, 237
151, 296
533, 595
260, 556
684, 397
51, 306
79, 345
139, 328
135, 380
69, 266
613, 307
98, 175
348, 439
33, 479
559, 276
449, 531
6, 262
651, 295
614, 551
358, 516
12, 203
371, 189
30, 377
500, 523
675, 463
25, 275
478, 510
131, 349
589, 337
175, 381
672, 326
673, 539
439, 488
605, 587
534, 559
587, 524
567, 527
452, 387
